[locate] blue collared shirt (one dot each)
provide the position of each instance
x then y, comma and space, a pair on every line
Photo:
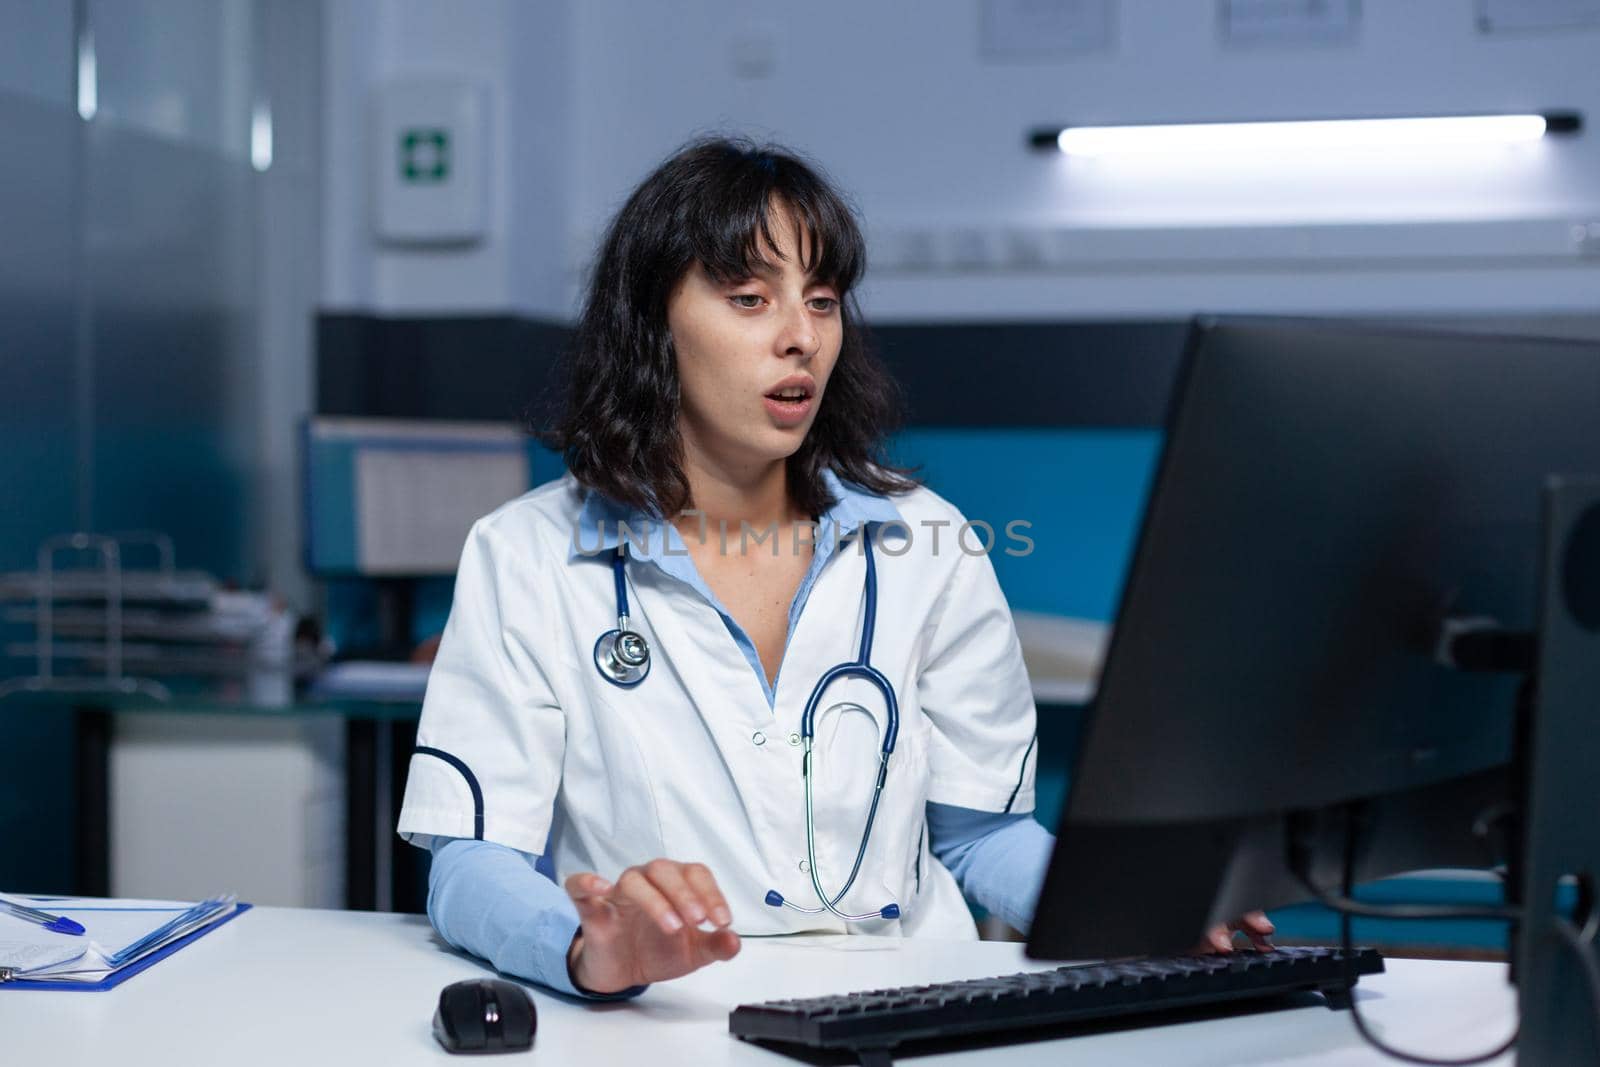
656, 542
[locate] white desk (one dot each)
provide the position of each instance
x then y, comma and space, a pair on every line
283, 986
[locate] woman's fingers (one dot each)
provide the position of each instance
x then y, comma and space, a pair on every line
674, 899
1255, 922
1257, 926
586, 885
638, 890
647, 925
671, 895
590, 894
1215, 939
669, 879
698, 875
716, 946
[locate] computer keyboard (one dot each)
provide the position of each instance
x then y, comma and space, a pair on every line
872, 1022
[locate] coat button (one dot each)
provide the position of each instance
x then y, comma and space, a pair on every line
794, 739
758, 738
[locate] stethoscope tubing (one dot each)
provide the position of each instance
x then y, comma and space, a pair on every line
861, 668
619, 575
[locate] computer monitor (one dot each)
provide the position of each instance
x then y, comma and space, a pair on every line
1329, 495
395, 498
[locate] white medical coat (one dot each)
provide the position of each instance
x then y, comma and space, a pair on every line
524, 743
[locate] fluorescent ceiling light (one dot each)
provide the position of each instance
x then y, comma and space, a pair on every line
261, 136
1244, 138
88, 77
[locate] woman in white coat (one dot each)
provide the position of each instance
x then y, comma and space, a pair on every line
627, 689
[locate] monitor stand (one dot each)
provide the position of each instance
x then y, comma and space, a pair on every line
1558, 974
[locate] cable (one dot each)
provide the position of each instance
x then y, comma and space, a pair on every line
1299, 863
1389, 1050
1346, 905
1348, 945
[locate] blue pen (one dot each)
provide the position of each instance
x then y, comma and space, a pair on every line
58, 923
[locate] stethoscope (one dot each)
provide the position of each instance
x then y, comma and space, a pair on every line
622, 656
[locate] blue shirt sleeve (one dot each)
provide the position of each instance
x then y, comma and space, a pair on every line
489, 900
998, 858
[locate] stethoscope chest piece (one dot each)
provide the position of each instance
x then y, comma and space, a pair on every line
623, 657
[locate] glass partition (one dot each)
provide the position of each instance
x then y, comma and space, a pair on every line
141, 235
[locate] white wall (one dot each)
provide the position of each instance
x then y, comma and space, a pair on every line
539, 54
898, 104
36, 51
928, 136
519, 53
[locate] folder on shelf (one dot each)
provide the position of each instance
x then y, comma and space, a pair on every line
120, 939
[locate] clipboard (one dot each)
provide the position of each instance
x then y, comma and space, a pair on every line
122, 974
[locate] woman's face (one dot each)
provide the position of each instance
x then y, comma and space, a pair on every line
754, 354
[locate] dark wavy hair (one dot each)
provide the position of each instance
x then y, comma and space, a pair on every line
712, 202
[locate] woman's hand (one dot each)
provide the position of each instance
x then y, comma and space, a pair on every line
646, 927
1255, 924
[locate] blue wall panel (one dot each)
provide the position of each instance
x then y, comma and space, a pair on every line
1082, 490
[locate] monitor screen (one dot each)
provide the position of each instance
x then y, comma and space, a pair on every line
396, 497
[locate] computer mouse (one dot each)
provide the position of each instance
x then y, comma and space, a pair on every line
485, 1015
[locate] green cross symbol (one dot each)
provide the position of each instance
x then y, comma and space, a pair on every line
424, 155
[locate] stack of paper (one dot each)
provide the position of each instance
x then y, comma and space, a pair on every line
117, 935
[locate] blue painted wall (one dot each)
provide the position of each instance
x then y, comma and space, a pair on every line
1083, 491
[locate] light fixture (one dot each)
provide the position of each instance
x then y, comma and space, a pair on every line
1244, 138
88, 76
261, 136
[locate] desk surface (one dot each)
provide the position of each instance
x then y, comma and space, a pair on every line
279, 986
